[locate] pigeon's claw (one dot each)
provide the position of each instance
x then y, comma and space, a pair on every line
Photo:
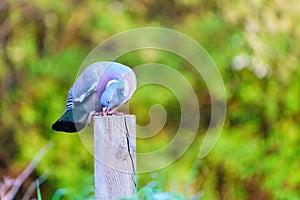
115, 113
94, 113
91, 115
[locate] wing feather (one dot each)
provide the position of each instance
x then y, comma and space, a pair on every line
86, 84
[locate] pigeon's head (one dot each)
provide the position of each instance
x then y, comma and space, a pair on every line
114, 95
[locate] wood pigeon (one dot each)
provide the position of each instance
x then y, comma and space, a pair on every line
101, 89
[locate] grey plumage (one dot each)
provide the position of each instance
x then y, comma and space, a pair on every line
102, 85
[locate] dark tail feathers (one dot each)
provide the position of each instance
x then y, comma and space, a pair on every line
66, 123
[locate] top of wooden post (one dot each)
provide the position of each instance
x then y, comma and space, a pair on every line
97, 117
115, 156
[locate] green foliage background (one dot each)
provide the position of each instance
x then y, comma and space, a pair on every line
255, 45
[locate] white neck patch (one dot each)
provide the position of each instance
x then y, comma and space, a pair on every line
110, 82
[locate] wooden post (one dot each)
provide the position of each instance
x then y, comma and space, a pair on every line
114, 156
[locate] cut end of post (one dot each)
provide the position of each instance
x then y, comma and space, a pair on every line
101, 117
115, 156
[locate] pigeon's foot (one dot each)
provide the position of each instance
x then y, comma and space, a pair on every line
91, 115
94, 113
115, 113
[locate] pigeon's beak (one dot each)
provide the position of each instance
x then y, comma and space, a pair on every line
104, 110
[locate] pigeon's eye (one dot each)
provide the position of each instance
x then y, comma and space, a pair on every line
108, 101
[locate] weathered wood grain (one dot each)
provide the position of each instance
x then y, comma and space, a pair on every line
114, 156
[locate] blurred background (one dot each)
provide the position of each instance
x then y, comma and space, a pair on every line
255, 45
